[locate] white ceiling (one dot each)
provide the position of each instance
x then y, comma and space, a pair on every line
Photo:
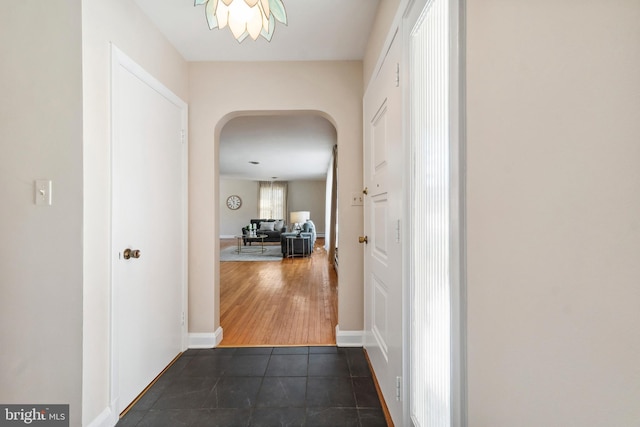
291, 147
317, 30
288, 148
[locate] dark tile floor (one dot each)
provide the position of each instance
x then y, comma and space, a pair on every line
280, 386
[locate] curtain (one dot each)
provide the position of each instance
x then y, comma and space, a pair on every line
333, 230
272, 203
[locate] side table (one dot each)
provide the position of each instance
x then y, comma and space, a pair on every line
304, 240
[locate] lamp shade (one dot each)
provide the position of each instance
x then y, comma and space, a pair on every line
245, 17
299, 217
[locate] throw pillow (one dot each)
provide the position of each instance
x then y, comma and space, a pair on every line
278, 225
266, 226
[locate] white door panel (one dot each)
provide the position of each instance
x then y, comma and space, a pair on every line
383, 171
148, 214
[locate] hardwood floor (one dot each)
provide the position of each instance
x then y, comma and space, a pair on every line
290, 302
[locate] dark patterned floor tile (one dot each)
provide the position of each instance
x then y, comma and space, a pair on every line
371, 417
333, 417
207, 366
365, 391
221, 417
264, 386
224, 351
291, 350
252, 366
278, 417
185, 393
328, 365
328, 349
132, 418
282, 392
358, 365
253, 350
176, 368
290, 365
330, 392
151, 396
234, 392
167, 418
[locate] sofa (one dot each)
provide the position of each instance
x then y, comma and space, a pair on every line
308, 229
273, 228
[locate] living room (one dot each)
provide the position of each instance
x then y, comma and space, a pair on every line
303, 195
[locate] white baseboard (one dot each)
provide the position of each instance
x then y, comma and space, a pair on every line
349, 338
107, 418
205, 339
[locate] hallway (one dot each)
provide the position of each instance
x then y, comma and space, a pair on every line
262, 386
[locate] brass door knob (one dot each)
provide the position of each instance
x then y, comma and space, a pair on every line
131, 253
362, 239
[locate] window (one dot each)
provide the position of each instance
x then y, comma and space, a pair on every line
272, 203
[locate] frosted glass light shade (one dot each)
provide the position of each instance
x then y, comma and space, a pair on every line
245, 17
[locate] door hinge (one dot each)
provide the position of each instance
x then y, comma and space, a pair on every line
397, 74
183, 317
398, 389
182, 134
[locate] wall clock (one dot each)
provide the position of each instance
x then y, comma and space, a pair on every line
234, 202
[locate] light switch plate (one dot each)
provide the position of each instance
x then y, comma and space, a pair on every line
42, 192
357, 199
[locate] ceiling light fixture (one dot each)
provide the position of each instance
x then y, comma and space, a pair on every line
245, 17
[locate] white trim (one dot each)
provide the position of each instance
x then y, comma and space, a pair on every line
349, 338
107, 418
459, 414
205, 339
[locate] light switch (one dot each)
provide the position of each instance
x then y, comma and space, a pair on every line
357, 199
42, 192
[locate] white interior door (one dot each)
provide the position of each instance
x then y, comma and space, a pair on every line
148, 215
383, 172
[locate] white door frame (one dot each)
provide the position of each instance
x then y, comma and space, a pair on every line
120, 60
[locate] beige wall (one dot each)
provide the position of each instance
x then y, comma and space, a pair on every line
309, 196
218, 91
553, 213
119, 22
41, 246
232, 221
